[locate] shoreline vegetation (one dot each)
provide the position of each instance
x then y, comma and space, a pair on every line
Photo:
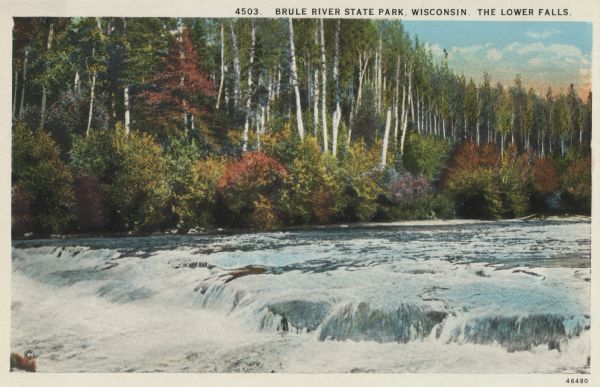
129, 126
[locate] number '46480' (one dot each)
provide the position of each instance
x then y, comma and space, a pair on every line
577, 380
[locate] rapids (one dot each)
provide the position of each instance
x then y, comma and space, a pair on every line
510, 296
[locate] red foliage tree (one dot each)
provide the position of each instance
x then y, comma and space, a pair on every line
177, 91
545, 177
250, 189
468, 157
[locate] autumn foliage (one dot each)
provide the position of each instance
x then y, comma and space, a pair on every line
250, 189
545, 176
467, 156
179, 88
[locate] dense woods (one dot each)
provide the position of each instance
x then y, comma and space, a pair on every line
160, 123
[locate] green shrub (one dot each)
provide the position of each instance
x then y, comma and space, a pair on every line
309, 196
427, 206
425, 155
133, 171
283, 145
196, 202
43, 178
516, 183
476, 194
356, 180
576, 184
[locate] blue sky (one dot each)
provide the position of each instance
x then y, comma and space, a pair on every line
545, 54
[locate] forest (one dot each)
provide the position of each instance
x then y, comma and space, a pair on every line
176, 124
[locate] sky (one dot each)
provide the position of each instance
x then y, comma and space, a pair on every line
545, 54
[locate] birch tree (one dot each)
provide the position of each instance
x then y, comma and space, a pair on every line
44, 86
250, 85
222, 80
337, 114
386, 134
237, 72
323, 88
295, 82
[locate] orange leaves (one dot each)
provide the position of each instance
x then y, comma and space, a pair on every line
255, 169
545, 177
250, 189
179, 87
468, 157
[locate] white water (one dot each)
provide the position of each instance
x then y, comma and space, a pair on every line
487, 297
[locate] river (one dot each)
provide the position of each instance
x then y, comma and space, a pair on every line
468, 297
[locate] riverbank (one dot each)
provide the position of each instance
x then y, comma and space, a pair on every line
358, 225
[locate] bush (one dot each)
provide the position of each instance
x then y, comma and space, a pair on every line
133, 170
283, 145
476, 194
22, 220
467, 156
425, 155
487, 184
95, 155
576, 182
92, 211
356, 179
516, 186
44, 181
195, 203
310, 194
405, 187
545, 176
252, 183
427, 206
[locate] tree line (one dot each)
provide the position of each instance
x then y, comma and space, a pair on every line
230, 86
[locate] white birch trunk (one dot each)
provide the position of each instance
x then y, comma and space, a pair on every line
323, 89
396, 98
405, 119
337, 114
92, 97
385, 138
362, 71
378, 75
222, 66
44, 90
477, 121
316, 103
295, 82
22, 104
127, 113
76, 82
269, 98
250, 85
237, 84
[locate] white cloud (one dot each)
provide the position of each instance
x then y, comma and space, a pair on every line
542, 34
436, 50
539, 64
524, 49
494, 55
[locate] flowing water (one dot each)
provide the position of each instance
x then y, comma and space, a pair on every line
442, 297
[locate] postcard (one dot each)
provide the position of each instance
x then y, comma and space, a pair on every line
326, 193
